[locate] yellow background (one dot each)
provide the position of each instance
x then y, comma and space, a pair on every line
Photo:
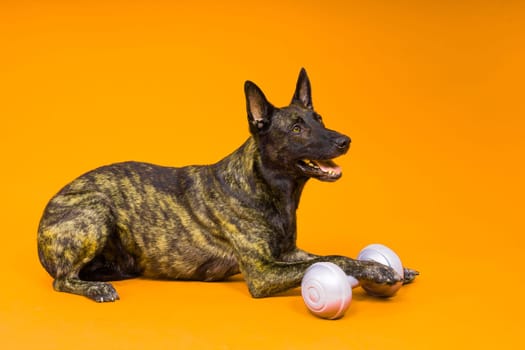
431, 92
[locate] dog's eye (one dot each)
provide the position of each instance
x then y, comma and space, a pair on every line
296, 129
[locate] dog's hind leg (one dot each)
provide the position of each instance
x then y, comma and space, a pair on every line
73, 231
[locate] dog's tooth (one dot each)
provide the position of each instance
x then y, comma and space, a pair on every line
310, 163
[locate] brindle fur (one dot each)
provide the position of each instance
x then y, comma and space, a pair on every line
202, 223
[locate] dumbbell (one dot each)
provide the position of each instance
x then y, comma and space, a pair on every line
327, 290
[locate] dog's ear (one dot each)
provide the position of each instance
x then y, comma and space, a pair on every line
303, 91
258, 108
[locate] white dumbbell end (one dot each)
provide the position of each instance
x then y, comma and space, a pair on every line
386, 256
326, 290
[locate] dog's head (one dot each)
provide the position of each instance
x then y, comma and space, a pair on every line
294, 139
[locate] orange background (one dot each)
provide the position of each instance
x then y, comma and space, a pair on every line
431, 94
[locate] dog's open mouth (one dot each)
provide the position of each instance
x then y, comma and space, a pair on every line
325, 170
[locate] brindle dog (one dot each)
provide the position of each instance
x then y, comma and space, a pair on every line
202, 223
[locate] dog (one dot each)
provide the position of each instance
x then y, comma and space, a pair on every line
202, 222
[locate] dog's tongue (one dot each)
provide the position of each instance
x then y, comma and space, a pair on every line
328, 166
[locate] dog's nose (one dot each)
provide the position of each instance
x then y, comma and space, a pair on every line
343, 142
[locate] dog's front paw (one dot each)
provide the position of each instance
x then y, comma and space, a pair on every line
409, 275
380, 280
376, 273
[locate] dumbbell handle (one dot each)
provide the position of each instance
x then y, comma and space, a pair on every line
354, 283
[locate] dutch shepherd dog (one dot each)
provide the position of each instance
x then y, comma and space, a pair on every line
206, 222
